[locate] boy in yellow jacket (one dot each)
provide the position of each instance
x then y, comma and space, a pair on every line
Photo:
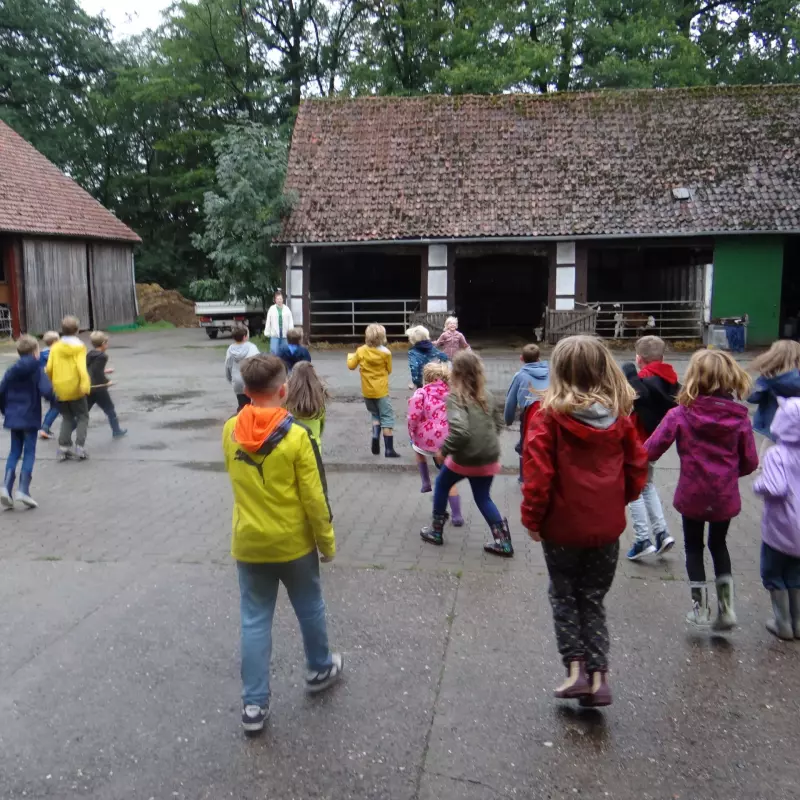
375, 360
66, 368
281, 520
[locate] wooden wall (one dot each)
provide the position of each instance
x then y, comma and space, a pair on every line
113, 294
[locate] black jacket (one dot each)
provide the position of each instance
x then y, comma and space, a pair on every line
96, 362
656, 390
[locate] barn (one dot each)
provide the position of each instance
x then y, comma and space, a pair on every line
682, 205
61, 252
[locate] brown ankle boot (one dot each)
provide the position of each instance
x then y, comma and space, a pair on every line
600, 694
577, 683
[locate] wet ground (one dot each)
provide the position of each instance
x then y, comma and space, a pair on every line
119, 633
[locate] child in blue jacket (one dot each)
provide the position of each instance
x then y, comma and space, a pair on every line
293, 351
779, 370
420, 353
21, 392
49, 339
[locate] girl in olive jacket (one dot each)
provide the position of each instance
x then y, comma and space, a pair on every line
471, 451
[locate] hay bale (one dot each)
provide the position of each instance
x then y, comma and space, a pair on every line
157, 304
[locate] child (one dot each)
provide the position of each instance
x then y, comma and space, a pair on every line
281, 520
428, 429
50, 338
583, 464
241, 349
779, 485
420, 353
66, 368
293, 351
451, 341
21, 392
656, 385
532, 378
97, 366
471, 450
306, 398
716, 447
375, 360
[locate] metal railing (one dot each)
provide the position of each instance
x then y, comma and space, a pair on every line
346, 319
669, 319
5, 321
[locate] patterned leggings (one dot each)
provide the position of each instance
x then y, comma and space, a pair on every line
580, 578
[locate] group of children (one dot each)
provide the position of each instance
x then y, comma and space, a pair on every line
73, 381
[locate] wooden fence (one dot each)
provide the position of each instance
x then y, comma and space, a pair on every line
558, 324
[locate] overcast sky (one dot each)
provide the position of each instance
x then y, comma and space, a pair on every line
128, 17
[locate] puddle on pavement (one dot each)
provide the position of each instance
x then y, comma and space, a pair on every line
203, 466
152, 446
192, 424
166, 399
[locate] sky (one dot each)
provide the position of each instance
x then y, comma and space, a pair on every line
127, 17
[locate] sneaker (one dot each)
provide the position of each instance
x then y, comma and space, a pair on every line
253, 719
80, 454
63, 453
320, 681
43, 434
664, 543
641, 549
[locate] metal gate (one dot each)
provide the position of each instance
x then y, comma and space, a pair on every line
347, 319
669, 319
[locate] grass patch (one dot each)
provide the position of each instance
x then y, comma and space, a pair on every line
377, 566
47, 558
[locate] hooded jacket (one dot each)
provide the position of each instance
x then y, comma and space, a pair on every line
656, 386
779, 483
21, 391
66, 368
96, 362
237, 353
531, 378
376, 367
579, 472
716, 448
280, 501
452, 342
427, 416
766, 394
472, 446
418, 356
292, 354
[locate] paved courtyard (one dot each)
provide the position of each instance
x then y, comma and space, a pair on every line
119, 631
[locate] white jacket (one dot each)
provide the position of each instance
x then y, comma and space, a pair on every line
271, 329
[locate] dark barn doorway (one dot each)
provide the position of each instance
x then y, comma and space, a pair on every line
790, 289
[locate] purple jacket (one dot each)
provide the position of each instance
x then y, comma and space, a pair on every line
716, 448
779, 483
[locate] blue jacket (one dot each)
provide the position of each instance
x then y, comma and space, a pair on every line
21, 392
418, 356
533, 376
43, 356
291, 354
766, 394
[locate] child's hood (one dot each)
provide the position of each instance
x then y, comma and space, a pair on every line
93, 355
69, 345
659, 369
787, 384
374, 357
786, 425
711, 417
595, 424
24, 368
436, 392
425, 346
239, 351
538, 372
255, 427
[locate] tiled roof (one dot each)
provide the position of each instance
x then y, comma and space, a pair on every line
601, 163
37, 198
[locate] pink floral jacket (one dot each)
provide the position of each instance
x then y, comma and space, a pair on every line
427, 416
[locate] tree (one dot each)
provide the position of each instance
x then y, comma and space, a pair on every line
244, 217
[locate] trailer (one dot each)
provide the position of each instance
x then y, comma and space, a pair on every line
219, 316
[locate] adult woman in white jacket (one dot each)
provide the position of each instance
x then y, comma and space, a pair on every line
279, 321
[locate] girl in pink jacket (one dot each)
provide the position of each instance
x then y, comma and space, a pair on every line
427, 426
452, 341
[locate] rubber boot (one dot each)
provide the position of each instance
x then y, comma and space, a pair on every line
726, 615
577, 682
376, 441
500, 543
7, 489
116, 431
24, 492
388, 445
434, 533
425, 475
781, 623
455, 507
600, 693
700, 615
794, 605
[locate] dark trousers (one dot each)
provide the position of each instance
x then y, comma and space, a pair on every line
693, 532
481, 487
102, 398
580, 578
74, 417
778, 570
243, 400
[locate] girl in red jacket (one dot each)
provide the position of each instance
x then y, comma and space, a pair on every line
582, 463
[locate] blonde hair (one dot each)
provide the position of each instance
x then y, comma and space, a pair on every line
27, 345
650, 349
70, 326
468, 380
436, 371
375, 335
449, 320
784, 355
50, 338
98, 338
417, 334
713, 372
583, 372
305, 394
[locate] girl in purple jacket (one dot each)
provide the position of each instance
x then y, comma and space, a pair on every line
716, 447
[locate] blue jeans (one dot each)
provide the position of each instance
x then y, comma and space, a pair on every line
481, 487
23, 445
275, 344
778, 570
258, 586
50, 417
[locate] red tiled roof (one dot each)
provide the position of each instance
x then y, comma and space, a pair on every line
36, 197
379, 168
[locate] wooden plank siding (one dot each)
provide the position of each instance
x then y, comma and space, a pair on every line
56, 283
113, 293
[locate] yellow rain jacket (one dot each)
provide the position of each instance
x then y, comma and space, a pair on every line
280, 500
376, 367
66, 368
